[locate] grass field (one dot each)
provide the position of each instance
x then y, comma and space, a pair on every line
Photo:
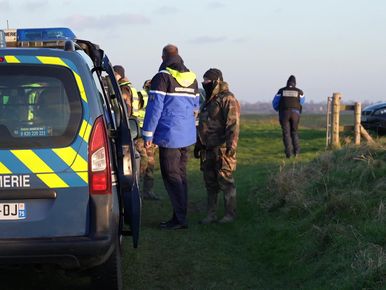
233, 256
285, 236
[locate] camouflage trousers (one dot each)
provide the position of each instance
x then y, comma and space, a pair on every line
217, 169
147, 162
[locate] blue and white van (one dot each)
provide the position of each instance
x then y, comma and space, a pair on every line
68, 180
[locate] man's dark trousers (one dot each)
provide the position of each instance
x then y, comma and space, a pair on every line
289, 121
173, 163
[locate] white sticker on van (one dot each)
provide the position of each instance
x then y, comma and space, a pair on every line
33, 132
9, 181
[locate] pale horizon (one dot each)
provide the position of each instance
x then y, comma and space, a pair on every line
330, 46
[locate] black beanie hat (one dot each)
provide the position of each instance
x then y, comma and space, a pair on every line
291, 81
213, 74
119, 70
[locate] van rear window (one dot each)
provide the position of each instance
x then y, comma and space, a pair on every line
40, 106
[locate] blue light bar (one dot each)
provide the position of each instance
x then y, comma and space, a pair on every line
44, 34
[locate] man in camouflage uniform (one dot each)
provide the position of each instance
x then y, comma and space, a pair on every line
125, 86
147, 154
218, 134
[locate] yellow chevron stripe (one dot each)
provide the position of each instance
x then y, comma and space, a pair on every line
79, 164
11, 59
4, 169
37, 165
86, 136
32, 161
52, 180
68, 155
82, 128
83, 175
80, 86
52, 60
85, 130
58, 61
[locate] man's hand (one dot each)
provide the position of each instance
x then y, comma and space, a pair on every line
196, 151
230, 152
148, 144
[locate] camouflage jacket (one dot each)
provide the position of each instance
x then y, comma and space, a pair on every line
127, 95
219, 119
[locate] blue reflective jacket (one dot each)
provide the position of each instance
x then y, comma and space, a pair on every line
173, 99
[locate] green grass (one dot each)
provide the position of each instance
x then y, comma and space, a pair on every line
316, 222
241, 255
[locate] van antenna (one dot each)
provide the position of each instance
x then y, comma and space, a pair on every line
7, 24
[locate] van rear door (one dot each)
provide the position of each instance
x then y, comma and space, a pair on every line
44, 129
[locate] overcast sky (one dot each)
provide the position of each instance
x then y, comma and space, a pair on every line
330, 45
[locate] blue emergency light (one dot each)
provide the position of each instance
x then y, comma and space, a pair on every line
44, 34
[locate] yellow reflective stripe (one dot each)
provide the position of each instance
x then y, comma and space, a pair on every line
68, 155
4, 169
88, 133
52, 180
85, 130
58, 61
32, 161
79, 164
35, 164
80, 86
11, 59
52, 60
83, 175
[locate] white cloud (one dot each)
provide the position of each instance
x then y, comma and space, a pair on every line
34, 5
209, 39
82, 22
216, 5
5, 5
167, 10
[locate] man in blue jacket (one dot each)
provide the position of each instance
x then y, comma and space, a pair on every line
170, 123
288, 101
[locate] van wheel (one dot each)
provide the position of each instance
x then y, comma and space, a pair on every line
109, 274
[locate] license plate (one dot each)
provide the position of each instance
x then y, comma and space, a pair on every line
12, 211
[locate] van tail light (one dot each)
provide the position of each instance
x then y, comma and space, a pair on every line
99, 159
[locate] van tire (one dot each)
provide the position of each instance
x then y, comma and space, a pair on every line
109, 274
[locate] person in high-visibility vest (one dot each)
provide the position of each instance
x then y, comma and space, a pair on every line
147, 163
126, 87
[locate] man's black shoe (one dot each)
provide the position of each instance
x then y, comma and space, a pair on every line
150, 196
174, 226
166, 223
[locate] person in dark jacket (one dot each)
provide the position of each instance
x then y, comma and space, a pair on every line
288, 102
170, 123
218, 135
125, 86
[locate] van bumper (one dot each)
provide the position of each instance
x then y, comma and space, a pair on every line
67, 253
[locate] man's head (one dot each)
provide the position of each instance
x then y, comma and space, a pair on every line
119, 72
169, 51
291, 81
213, 74
212, 77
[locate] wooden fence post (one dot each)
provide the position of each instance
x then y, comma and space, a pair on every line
357, 123
328, 123
335, 119
366, 135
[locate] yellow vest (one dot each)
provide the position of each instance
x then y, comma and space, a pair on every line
138, 111
140, 114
